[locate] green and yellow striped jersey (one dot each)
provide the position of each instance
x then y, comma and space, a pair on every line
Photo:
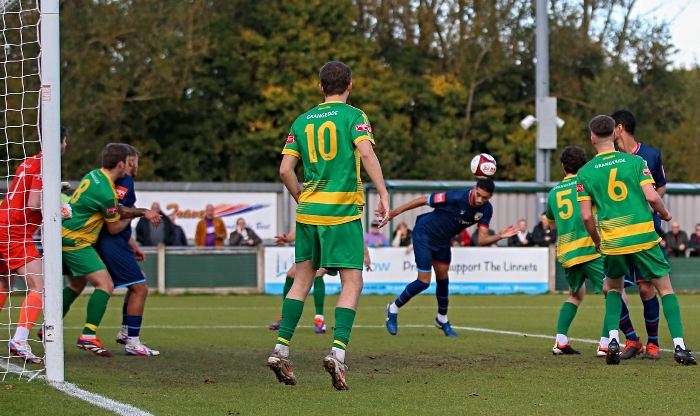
325, 139
93, 202
574, 245
613, 181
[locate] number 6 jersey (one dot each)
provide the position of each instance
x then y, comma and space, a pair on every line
613, 182
93, 203
324, 138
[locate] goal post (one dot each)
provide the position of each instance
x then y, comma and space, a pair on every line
50, 99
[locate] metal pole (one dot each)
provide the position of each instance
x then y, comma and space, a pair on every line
541, 90
51, 195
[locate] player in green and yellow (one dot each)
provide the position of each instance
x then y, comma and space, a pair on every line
330, 140
575, 248
94, 204
621, 188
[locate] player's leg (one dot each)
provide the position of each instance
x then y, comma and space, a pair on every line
138, 293
32, 274
6, 283
424, 262
575, 277
655, 268
123, 334
441, 266
307, 254
652, 313
633, 346
615, 269
342, 248
288, 281
85, 262
320, 299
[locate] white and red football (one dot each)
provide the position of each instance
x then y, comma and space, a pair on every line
483, 165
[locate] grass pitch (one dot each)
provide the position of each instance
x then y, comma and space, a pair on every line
214, 351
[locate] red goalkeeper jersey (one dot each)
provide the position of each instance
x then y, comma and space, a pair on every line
14, 210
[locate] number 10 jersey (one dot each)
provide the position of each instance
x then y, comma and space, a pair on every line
325, 139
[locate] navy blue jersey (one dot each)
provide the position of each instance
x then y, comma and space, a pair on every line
453, 213
127, 197
653, 159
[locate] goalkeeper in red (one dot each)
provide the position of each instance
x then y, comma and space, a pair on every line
621, 188
20, 217
331, 140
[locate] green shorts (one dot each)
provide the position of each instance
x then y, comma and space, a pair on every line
83, 261
331, 246
593, 270
651, 263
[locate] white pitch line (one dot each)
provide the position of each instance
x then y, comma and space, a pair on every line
94, 399
466, 328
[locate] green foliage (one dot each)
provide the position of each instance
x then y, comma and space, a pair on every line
207, 89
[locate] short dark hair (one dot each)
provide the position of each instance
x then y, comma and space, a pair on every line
114, 153
626, 119
486, 185
64, 133
573, 158
133, 151
335, 77
602, 126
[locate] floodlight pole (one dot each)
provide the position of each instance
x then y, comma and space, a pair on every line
50, 99
543, 154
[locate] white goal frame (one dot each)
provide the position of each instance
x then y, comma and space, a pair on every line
51, 195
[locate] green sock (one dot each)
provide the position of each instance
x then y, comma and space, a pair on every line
319, 294
96, 308
672, 312
566, 316
291, 312
289, 281
69, 296
605, 333
344, 318
613, 309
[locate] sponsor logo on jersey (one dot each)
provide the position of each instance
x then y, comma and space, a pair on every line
112, 211
579, 187
364, 127
290, 138
439, 198
646, 171
478, 216
121, 191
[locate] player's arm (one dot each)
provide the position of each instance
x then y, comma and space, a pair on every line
138, 252
654, 199
486, 240
374, 170
129, 213
416, 203
367, 260
289, 177
286, 238
589, 221
34, 200
549, 215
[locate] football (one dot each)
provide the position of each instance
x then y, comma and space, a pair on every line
483, 165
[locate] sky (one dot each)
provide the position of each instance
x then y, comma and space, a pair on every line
683, 16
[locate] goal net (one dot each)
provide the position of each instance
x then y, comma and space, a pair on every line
22, 293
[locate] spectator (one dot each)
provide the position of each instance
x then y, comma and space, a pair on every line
475, 237
542, 235
402, 236
148, 235
462, 239
180, 239
374, 238
243, 236
211, 230
676, 241
694, 245
523, 238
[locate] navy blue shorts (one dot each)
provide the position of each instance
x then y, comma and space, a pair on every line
121, 264
428, 253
